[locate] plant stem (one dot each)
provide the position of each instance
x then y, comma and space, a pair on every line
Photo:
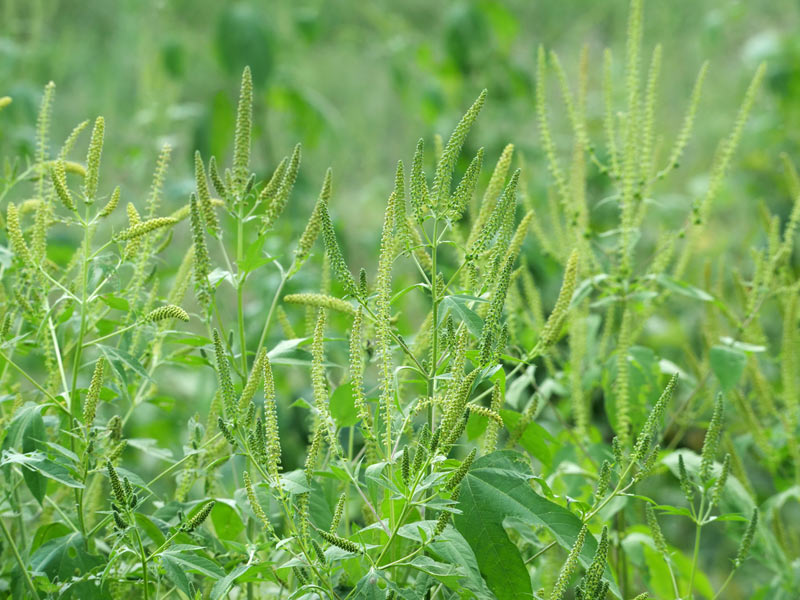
57, 351
724, 584
540, 552
275, 298
696, 553
143, 558
435, 312
242, 277
422, 471
35, 384
242, 338
112, 334
20, 562
82, 330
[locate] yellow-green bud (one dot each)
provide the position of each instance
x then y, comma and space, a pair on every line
337, 514
340, 542
93, 160
170, 311
93, 395
198, 519
59, 177
15, 237
116, 485
711, 442
321, 301
459, 474
254, 504
111, 205
224, 375
145, 227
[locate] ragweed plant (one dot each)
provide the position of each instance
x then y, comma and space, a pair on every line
461, 433
600, 204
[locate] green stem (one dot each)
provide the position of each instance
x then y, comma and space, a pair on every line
696, 553
74, 400
143, 558
435, 312
617, 490
110, 335
57, 351
35, 384
20, 562
74, 406
242, 277
275, 298
163, 546
540, 552
724, 584
242, 338
422, 471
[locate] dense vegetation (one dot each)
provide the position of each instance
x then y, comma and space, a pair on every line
548, 378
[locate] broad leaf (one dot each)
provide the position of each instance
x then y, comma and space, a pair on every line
189, 561
27, 434
343, 408
450, 547
496, 487
457, 305
64, 557
728, 365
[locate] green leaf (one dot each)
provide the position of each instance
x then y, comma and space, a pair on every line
535, 439
27, 433
227, 522
343, 408
176, 574
150, 527
116, 302
728, 365
288, 352
458, 306
47, 532
496, 487
125, 358
476, 425
445, 573
64, 557
254, 258
38, 462
196, 563
743, 346
374, 478
449, 547
369, 588
683, 288
221, 588
585, 288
